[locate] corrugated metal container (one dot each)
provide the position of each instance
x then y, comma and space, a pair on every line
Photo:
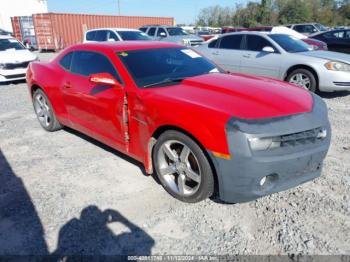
23, 30
57, 31
16, 28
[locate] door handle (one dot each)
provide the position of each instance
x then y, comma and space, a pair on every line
246, 56
67, 85
215, 53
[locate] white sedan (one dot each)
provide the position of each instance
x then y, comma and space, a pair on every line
14, 59
280, 56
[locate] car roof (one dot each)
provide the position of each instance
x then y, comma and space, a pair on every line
248, 33
113, 29
304, 24
123, 45
159, 26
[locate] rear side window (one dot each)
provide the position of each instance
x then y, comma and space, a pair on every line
161, 30
257, 43
112, 36
143, 29
86, 63
213, 43
151, 31
90, 36
231, 42
66, 61
101, 36
305, 28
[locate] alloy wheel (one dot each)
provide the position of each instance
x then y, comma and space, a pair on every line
301, 80
42, 110
179, 168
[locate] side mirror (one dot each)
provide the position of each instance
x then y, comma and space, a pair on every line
111, 40
162, 34
104, 79
268, 49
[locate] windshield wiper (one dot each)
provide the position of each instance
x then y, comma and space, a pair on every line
166, 81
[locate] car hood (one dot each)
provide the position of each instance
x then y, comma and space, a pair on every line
328, 55
16, 56
241, 96
180, 37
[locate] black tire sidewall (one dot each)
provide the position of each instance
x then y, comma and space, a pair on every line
311, 76
206, 187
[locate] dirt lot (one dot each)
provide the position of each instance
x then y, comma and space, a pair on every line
65, 193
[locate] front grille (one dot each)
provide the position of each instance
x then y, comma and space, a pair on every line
15, 76
196, 42
17, 65
342, 83
301, 138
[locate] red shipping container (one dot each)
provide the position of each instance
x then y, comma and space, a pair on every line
16, 28
55, 31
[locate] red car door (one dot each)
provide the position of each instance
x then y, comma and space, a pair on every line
94, 108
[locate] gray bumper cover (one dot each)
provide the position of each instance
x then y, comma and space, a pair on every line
289, 166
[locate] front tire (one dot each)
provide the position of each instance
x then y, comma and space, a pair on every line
182, 167
303, 78
44, 112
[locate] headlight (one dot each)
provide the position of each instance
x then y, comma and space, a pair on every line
268, 143
2, 66
314, 47
186, 42
259, 144
338, 66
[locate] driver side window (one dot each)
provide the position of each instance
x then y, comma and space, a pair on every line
86, 63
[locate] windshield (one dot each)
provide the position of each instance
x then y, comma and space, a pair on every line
290, 44
173, 31
11, 43
133, 35
152, 66
321, 27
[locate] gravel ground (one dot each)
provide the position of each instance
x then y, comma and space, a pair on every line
65, 193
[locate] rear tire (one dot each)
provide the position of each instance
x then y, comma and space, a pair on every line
44, 112
303, 78
182, 167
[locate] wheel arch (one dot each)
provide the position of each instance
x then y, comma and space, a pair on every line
159, 131
302, 66
33, 88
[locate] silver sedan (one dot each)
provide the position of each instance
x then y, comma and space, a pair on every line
280, 56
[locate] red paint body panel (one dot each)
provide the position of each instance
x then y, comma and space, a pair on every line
203, 104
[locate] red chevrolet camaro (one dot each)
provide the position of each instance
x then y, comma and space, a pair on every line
201, 130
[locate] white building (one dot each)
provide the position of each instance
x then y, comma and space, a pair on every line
10, 8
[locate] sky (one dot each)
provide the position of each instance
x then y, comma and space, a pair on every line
184, 11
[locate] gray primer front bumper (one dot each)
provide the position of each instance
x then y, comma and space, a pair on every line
239, 178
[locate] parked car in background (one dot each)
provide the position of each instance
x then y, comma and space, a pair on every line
114, 34
201, 131
229, 29
315, 44
308, 28
171, 34
14, 59
4, 32
337, 40
282, 57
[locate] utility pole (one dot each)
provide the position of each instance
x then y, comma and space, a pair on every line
118, 7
